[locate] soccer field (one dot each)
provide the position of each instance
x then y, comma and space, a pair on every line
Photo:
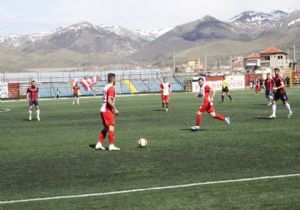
54, 157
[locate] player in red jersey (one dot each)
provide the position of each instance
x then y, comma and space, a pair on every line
108, 111
280, 93
165, 89
207, 105
257, 86
32, 97
269, 83
76, 90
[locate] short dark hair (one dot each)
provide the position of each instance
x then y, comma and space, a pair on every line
276, 69
200, 78
110, 76
32, 81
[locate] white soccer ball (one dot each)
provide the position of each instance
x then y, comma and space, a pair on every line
142, 142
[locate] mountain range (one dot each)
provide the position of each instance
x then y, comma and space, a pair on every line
89, 44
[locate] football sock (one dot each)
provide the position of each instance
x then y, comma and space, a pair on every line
78, 101
111, 136
167, 105
287, 105
30, 112
102, 135
163, 105
222, 98
220, 117
198, 121
38, 113
230, 97
274, 109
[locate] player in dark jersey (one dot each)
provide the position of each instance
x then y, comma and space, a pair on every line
76, 90
269, 84
32, 97
279, 93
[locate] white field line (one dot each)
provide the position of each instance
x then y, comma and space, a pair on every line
4, 109
148, 189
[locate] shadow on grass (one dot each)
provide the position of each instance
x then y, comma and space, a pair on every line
92, 146
262, 118
157, 110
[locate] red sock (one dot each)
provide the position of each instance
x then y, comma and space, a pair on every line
102, 135
198, 120
111, 136
220, 117
167, 104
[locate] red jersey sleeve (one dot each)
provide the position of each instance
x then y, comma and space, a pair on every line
111, 92
27, 90
161, 86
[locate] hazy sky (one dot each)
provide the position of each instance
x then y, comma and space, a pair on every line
32, 16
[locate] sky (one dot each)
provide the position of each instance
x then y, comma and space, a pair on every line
36, 16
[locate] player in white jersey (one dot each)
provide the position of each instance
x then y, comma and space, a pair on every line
165, 89
108, 111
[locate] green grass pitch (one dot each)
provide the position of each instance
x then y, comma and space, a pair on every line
54, 158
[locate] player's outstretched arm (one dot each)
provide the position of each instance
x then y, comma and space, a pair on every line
213, 94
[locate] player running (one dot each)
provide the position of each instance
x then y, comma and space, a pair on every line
165, 89
225, 89
207, 105
269, 84
280, 93
32, 97
107, 111
76, 90
257, 86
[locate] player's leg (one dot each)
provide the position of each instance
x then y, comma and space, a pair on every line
223, 95
167, 103
274, 108
30, 111
77, 98
74, 98
111, 136
213, 113
198, 119
37, 107
163, 101
102, 137
229, 96
284, 99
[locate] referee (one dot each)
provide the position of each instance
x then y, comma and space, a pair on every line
225, 89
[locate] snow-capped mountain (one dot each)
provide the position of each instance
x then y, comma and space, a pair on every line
117, 30
253, 16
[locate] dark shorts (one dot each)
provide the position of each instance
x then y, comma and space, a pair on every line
225, 90
75, 95
269, 93
279, 96
35, 103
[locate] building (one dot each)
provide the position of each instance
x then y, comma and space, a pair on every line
274, 57
252, 62
194, 62
267, 59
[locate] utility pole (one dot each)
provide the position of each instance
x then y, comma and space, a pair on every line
174, 61
205, 63
294, 53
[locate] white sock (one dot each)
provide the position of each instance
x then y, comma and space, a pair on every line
73, 101
287, 105
77, 100
38, 113
274, 109
30, 113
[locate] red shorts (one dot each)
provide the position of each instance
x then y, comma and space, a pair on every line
165, 98
206, 107
108, 118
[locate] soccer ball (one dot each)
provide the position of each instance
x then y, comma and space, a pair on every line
142, 143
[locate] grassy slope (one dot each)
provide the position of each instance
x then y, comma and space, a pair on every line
53, 157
